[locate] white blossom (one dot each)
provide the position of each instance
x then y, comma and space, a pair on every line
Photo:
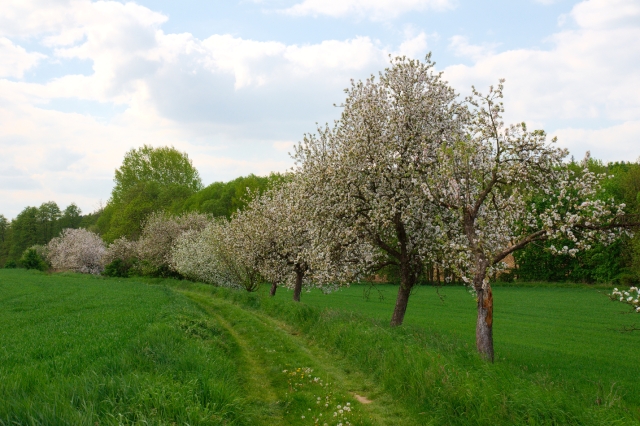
77, 250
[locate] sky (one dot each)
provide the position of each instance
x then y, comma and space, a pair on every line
236, 83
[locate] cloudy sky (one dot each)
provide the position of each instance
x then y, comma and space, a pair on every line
235, 83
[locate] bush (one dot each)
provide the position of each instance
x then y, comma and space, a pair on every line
11, 264
159, 234
31, 260
121, 258
118, 268
77, 250
209, 256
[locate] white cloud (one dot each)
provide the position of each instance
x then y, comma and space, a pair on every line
414, 46
461, 47
589, 76
15, 59
378, 10
228, 101
614, 143
286, 146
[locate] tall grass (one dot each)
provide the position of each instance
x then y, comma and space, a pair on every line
81, 350
438, 376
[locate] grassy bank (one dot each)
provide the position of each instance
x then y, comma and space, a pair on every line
437, 375
570, 333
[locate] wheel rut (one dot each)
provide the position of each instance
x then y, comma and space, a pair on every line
273, 351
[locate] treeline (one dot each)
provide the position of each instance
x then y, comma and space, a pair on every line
149, 180
134, 200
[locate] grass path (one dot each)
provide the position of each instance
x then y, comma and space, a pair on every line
269, 348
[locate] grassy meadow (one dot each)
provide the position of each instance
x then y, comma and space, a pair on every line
77, 349
571, 332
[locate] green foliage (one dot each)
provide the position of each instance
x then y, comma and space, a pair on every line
47, 217
11, 264
149, 180
32, 260
164, 166
71, 217
24, 232
225, 198
35, 225
118, 269
4, 228
616, 263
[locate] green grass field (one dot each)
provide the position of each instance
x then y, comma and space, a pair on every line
83, 350
570, 332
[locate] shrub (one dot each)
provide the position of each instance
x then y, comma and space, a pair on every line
77, 250
118, 268
159, 234
31, 260
120, 258
11, 264
209, 256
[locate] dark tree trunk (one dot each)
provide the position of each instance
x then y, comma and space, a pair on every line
401, 305
274, 287
408, 280
484, 325
298, 287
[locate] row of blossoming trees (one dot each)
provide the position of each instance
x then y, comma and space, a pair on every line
411, 175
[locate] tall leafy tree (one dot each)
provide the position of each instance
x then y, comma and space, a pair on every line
4, 228
149, 179
47, 216
164, 165
24, 232
71, 217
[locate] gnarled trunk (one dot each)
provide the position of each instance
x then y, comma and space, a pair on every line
298, 287
484, 325
274, 287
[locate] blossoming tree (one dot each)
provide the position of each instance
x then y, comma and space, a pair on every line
628, 297
275, 234
159, 233
214, 255
364, 174
77, 250
509, 187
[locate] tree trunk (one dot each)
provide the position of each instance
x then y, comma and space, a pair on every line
401, 305
298, 287
484, 326
274, 287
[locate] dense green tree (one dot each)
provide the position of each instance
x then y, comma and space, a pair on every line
225, 198
4, 228
47, 216
71, 218
164, 165
126, 218
149, 180
5, 239
30, 259
24, 232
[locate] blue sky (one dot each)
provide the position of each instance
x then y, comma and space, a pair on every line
236, 83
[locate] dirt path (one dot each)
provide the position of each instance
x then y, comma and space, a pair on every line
291, 381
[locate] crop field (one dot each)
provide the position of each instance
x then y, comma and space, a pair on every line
76, 349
